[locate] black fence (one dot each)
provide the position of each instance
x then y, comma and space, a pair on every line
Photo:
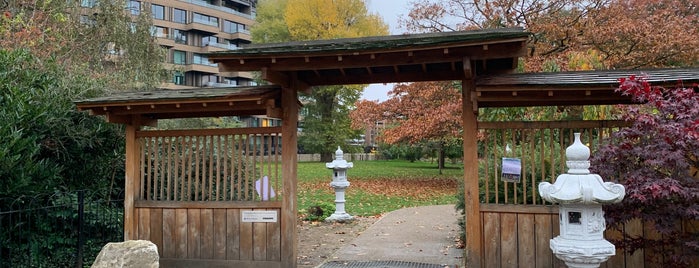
61, 229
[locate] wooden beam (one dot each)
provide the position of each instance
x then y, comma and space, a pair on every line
473, 250
132, 179
289, 209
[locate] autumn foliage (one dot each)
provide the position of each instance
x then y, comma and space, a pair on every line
656, 159
619, 33
415, 112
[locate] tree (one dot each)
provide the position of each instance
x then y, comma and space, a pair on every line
416, 112
656, 159
626, 34
105, 41
325, 123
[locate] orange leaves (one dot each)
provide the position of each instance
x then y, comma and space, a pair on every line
417, 189
415, 112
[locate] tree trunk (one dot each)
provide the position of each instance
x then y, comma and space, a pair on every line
440, 161
326, 157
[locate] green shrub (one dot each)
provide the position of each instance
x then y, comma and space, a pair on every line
319, 212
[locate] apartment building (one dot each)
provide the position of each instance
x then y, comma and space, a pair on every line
191, 28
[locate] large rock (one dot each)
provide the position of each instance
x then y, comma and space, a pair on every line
132, 253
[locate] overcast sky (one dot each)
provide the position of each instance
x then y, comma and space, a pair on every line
390, 10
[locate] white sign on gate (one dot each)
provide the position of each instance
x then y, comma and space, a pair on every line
258, 216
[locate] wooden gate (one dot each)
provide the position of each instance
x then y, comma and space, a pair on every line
517, 223
194, 186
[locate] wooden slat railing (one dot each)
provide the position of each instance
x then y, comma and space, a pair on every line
239, 164
541, 148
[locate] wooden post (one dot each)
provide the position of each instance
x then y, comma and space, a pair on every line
132, 180
290, 113
472, 222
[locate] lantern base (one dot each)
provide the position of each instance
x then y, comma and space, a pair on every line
339, 217
582, 253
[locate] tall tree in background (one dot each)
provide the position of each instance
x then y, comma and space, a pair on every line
624, 33
325, 121
106, 41
417, 112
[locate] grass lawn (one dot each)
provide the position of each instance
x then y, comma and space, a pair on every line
380, 186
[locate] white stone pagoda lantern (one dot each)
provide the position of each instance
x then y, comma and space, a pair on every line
581, 195
339, 183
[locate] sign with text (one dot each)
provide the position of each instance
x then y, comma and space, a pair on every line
258, 216
511, 169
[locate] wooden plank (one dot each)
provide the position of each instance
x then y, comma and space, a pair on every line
209, 132
233, 234
169, 241
206, 204
219, 233
143, 223
156, 228
508, 238
471, 191
574, 124
168, 168
131, 179
176, 159
259, 241
653, 256
634, 228
491, 241
274, 240
198, 166
526, 240
181, 233
246, 241
210, 160
194, 233
188, 188
218, 168
528, 209
207, 234
618, 260
290, 112
542, 235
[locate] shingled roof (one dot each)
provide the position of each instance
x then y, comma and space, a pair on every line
194, 102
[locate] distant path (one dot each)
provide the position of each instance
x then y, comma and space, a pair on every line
418, 234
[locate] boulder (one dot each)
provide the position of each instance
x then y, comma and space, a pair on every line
128, 254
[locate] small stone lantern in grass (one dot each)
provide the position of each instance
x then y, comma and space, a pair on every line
339, 183
581, 196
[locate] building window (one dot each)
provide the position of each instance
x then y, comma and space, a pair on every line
180, 36
178, 78
135, 7
88, 3
202, 60
179, 57
179, 15
233, 27
204, 19
159, 32
158, 11
206, 40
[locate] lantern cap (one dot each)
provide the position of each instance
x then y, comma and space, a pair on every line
578, 185
339, 162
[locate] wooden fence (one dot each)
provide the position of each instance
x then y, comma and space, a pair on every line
194, 186
517, 223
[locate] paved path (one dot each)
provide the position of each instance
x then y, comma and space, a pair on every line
418, 235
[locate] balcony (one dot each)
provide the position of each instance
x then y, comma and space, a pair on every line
203, 25
165, 40
212, 84
248, 75
215, 47
219, 8
202, 67
239, 34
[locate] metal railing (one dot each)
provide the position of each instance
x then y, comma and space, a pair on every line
220, 8
61, 229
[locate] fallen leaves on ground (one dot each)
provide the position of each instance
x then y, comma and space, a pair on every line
418, 189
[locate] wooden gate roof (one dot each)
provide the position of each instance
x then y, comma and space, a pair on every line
185, 103
570, 88
381, 59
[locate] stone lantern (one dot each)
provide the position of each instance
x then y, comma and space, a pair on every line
339, 183
581, 196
